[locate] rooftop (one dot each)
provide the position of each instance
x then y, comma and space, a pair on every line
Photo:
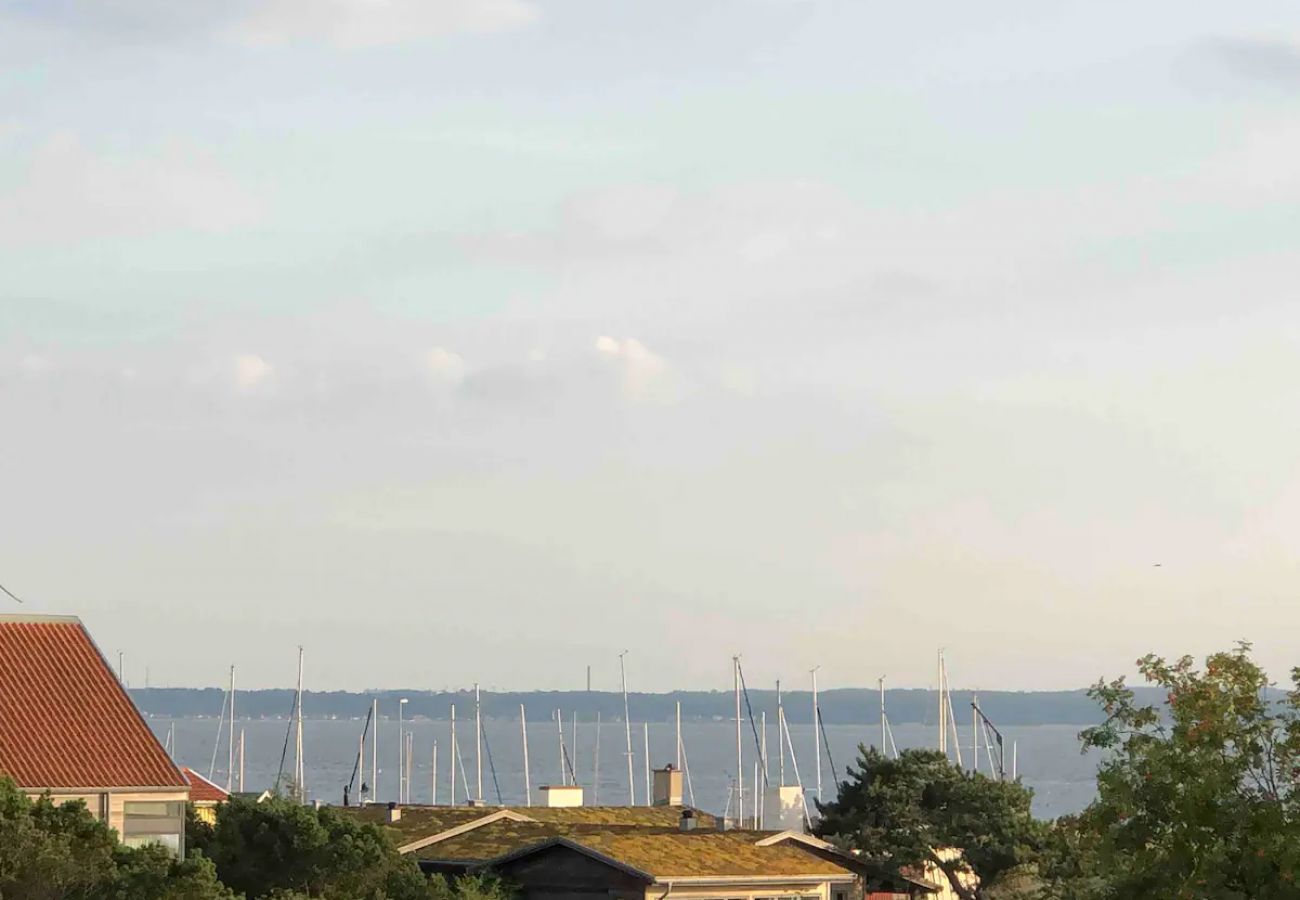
65, 721
202, 790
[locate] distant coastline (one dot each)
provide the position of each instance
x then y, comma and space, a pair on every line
839, 706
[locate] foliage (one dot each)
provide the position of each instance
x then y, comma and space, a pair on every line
278, 845
50, 851
921, 809
1196, 800
54, 851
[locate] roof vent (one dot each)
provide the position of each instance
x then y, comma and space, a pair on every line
394, 813
688, 820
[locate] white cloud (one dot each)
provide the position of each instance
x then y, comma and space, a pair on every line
444, 366
68, 191
251, 370
372, 23
646, 375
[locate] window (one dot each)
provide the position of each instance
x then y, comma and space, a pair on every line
154, 822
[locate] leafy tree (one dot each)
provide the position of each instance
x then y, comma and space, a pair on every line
152, 873
1198, 799
278, 845
920, 809
50, 851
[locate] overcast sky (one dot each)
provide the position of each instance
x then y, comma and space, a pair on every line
482, 339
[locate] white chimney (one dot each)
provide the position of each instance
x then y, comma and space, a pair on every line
667, 787
394, 813
561, 794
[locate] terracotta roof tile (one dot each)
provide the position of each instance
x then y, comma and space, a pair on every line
202, 790
65, 721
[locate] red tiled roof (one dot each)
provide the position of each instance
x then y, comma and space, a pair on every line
202, 790
65, 721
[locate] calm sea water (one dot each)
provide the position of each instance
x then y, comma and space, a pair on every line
1048, 758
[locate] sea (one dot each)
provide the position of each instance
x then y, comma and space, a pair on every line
1047, 758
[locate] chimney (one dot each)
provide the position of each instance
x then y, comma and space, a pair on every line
394, 813
561, 795
667, 787
688, 820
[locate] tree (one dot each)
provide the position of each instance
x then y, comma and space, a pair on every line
152, 873
1198, 799
50, 851
279, 845
919, 809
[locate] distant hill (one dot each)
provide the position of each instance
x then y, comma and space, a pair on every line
841, 706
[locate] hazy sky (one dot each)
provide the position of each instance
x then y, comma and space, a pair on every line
481, 339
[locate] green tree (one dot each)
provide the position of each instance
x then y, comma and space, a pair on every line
50, 851
920, 809
152, 873
279, 845
1197, 800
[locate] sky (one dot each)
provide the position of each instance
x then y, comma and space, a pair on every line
481, 340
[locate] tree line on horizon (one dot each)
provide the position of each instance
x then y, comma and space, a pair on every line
839, 706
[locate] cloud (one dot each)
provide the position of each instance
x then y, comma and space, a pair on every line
372, 23
338, 23
251, 370
645, 374
444, 367
1263, 59
67, 191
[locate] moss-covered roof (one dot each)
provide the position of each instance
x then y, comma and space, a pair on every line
417, 821
660, 852
707, 854
653, 816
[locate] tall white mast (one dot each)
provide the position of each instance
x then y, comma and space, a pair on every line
679, 735
595, 767
374, 748
454, 754
559, 731
817, 743
780, 728
230, 742
573, 747
299, 769
401, 753
884, 729
433, 779
523, 730
241, 760
478, 743
975, 731
943, 708
649, 799
740, 756
627, 731
361, 766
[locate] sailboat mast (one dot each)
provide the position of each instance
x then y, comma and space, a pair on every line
523, 730
817, 744
230, 741
300, 771
780, 727
241, 760
454, 753
975, 731
645, 730
627, 730
478, 742
374, 748
679, 735
740, 758
884, 740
